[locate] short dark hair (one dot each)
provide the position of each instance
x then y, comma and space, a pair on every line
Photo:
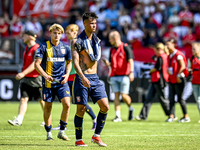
88, 15
172, 41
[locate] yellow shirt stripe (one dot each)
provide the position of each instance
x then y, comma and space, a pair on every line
49, 64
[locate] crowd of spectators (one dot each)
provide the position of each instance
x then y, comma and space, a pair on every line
141, 23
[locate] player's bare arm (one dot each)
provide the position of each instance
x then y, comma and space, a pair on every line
68, 69
41, 71
77, 64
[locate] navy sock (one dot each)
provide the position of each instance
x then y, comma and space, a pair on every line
90, 112
63, 125
78, 122
101, 118
48, 128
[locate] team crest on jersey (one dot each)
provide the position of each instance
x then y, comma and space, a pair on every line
78, 98
63, 50
44, 96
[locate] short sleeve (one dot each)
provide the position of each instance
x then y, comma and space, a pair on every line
40, 52
179, 57
68, 53
129, 52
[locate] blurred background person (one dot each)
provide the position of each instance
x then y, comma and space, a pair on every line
195, 66
177, 73
5, 51
31, 81
159, 81
4, 28
122, 73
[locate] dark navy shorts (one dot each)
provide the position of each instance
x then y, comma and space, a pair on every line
70, 83
50, 93
80, 93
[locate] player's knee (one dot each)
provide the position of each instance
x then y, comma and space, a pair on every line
66, 105
105, 108
24, 99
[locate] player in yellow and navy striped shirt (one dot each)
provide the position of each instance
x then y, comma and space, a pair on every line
50, 63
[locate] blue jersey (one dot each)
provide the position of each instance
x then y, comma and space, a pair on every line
53, 61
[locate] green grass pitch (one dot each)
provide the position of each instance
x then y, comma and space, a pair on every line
151, 134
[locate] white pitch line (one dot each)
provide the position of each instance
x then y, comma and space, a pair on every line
116, 135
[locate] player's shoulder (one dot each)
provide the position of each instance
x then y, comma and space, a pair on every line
43, 45
62, 44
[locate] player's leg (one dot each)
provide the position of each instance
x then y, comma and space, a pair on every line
92, 115
64, 118
124, 90
38, 97
78, 123
48, 97
63, 94
99, 95
24, 89
101, 118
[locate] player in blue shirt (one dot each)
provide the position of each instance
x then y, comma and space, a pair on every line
50, 63
86, 51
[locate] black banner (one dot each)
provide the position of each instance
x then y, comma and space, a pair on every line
9, 90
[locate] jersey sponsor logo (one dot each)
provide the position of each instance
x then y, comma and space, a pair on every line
67, 92
78, 98
56, 59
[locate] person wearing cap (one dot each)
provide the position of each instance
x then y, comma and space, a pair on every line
30, 79
50, 63
159, 81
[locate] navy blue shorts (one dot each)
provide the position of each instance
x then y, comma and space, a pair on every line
70, 83
80, 93
50, 93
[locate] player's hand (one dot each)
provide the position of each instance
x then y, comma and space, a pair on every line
86, 82
131, 76
48, 78
65, 79
19, 76
178, 80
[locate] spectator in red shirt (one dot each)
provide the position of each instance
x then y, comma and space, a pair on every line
4, 32
16, 26
189, 38
170, 34
186, 19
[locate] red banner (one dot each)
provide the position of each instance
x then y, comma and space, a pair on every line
38, 7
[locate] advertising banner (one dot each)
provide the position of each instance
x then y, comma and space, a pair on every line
38, 7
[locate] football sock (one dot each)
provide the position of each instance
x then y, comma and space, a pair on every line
90, 111
78, 140
78, 122
95, 120
63, 125
48, 128
20, 118
118, 113
49, 133
101, 118
96, 135
130, 108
